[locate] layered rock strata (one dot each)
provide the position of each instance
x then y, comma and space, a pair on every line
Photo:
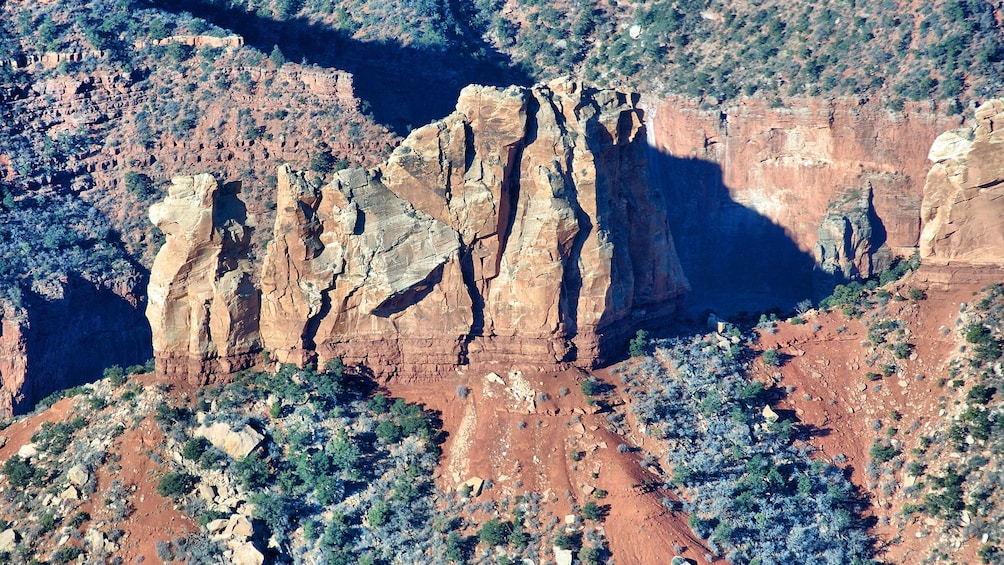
202, 305
520, 228
963, 204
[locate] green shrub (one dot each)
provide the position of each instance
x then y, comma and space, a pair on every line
20, 472
252, 471
771, 358
638, 346
494, 532
194, 448
175, 484
882, 453
115, 375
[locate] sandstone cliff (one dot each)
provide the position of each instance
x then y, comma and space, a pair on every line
202, 305
963, 204
519, 228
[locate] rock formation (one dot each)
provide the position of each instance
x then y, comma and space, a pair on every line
519, 228
203, 307
13, 363
851, 240
963, 202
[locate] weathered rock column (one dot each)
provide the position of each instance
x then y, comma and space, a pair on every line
203, 308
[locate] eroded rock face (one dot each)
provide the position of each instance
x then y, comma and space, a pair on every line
203, 307
851, 240
13, 363
963, 202
520, 228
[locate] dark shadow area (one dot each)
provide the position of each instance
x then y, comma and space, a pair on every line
70, 341
735, 259
403, 86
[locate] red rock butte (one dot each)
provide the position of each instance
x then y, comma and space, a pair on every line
519, 229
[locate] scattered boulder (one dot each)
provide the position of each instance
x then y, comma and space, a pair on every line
245, 553
475, 484
239, 526
562, 556
769, 415
71, 493
235, 443
8, 540
27, 451
78, 475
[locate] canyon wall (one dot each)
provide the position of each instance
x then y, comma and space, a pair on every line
758, 195
520, 228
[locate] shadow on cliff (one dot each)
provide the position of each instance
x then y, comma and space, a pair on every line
402, 86
737, 260
71, 341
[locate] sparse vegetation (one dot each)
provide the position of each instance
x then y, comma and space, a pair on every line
727, 458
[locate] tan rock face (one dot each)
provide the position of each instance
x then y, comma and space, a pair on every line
203, 307
964, 194
519, 228
850, 245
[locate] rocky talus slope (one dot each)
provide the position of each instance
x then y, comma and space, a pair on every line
520, 228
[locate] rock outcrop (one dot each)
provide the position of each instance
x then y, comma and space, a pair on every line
520, 228
851, 240
963, 202
13, 363
202, 305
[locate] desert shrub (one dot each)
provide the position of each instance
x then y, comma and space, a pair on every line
20, 472
736, 465
591, 511
771, 358
493, 532
590, 386
67, 554
194, 448
252, 472
639, 344
175, 484
115, 375
882, 453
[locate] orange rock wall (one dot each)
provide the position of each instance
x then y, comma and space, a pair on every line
754, 183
